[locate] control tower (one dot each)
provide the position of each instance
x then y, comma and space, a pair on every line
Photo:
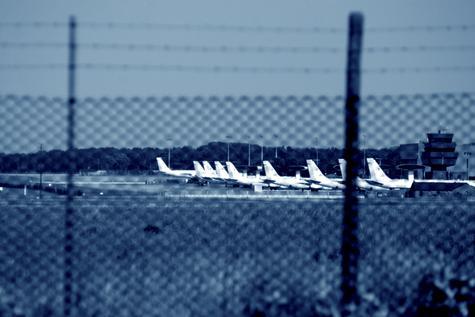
439, 153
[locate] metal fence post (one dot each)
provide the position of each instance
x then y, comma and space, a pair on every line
69, 212
350, 246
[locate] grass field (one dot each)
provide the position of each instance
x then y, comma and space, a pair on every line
138, 254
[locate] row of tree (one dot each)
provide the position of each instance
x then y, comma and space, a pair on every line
143, 160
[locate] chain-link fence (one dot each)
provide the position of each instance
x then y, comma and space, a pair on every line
91, 226
143, 247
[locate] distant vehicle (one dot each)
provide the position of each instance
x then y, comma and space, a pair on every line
97, 173
286, 181
165, 170
363, 184
378, 176
317, 177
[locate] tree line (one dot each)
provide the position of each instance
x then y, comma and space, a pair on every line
143, 160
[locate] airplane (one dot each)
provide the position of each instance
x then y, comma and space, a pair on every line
285, 181
164, 169
245, 180
234, 175
202, 174
363, 184
378, 175
319, 178
209, 170
224, 175
221, 171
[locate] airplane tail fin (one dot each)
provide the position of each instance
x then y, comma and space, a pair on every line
198, 169
314, 171
269, 169
375, 171
220, 170
342, 163
233, 172
162, 167
208, 169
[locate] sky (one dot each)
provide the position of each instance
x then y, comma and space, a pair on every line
454, 48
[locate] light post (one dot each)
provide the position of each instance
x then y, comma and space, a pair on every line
316, 150
260, 136
228, 137
248, 149
169, 139
276, 144
467, 156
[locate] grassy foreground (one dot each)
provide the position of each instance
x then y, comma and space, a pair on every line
144, 255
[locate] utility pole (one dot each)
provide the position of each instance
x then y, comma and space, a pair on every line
350, 244
276, 145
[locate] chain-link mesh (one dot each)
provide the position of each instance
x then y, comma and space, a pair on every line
145, 247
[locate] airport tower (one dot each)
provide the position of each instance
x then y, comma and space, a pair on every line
439, 153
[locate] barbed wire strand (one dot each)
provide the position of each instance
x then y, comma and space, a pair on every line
235, 68
235, 49
236, 28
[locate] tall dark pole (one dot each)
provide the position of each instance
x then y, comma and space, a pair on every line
40, 168
249, 154
169, 139
468, 154
260, 136
350, 245
68, 219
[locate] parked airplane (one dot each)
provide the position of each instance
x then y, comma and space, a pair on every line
241, 179
201, 174
364, 184
221, 171
317, 177
377, 175
209, 170
291, 182
164, 169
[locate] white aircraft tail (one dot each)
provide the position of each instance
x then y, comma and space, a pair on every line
208, 169
220, 170
270, 171
376, 173
233, 172
314, 171
162, 167
200, 172
342, 163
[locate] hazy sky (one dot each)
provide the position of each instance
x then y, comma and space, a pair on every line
298, 13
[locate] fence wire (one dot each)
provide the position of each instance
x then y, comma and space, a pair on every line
145, 247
